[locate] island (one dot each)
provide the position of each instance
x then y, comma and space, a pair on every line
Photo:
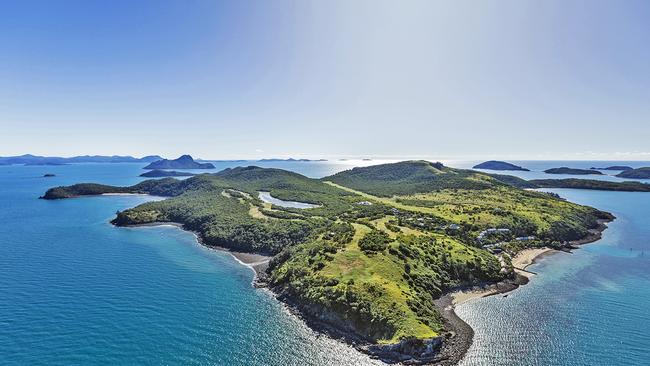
157, 173
572, 171
49, 175
183, 162
640, 173
273, 160
499, 165
29, 159
615, 167
374, 254
600, 185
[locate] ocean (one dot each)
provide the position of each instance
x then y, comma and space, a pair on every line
74, 290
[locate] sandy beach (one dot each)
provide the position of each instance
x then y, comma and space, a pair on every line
522, 260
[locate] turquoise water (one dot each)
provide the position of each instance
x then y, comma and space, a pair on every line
76, 290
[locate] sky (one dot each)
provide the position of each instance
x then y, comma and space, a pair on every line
510, 79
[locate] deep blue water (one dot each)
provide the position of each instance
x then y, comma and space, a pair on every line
76, 290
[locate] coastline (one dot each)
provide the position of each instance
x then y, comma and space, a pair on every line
256, 262
460, 336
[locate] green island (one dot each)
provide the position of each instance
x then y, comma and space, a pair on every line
499, 165
382, 245
572, 171
601, 185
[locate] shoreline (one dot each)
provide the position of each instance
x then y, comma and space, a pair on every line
460, 334
256, 262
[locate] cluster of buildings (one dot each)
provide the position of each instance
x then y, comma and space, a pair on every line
492, 231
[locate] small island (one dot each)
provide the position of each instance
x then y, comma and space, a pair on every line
640, 173
49, 175
183, 162
572, 171
157, 173
615, 167
499, 165
372, 254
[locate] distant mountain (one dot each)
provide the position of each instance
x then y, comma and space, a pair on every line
615, 167
29, 159
499, 165
183, 162
572, 171
156, 173
640, 173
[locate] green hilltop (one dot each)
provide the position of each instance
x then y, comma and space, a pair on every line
383, 243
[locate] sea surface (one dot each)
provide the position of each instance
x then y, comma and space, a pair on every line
74, 290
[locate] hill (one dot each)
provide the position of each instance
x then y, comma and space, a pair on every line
640, 173
410, 177
368, 266
572, 171
499, 165
183, 162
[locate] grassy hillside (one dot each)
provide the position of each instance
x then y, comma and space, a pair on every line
383, 243
418, 176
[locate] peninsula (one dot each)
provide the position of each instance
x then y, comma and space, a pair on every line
183, 162
572, 171
377, 246
499, 165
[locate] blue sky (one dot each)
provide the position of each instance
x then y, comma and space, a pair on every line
246, 79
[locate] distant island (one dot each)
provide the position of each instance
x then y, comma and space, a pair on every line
499, 165
156, 173
614, 167
640, 173
601, 185
29, 159
183, 162
379, 250
289, 159
572, 171
49, 175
